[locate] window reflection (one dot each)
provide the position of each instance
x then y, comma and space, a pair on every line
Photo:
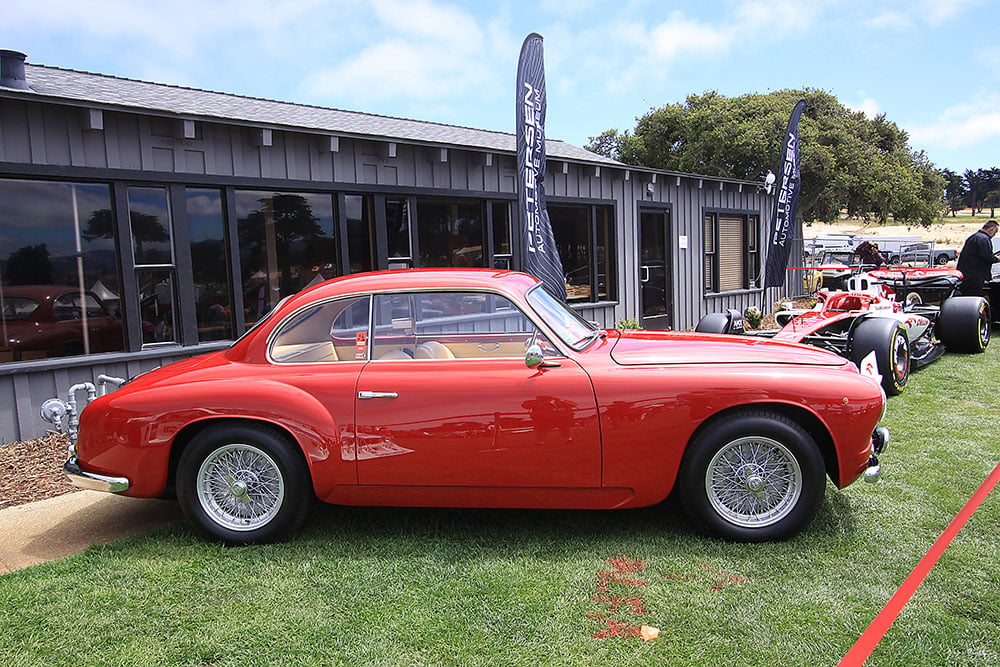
360, 248
582, 246
286, 243
571, 228
59, 284
151, 226
397, 228
502, 249
149, 220
450, 233
210, 266
156, 305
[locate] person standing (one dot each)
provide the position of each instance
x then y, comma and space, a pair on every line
976, 259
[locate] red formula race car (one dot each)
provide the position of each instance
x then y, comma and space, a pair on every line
475, 388
887, 321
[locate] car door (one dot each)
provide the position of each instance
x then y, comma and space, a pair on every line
447, 399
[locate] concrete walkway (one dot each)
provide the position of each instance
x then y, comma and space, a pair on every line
68, 524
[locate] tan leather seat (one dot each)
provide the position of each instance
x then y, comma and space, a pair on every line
394, 355
432, 349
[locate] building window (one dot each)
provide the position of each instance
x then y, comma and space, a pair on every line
450, 233
153, 255
584, 237
604, 248
210, 265
732, 252
286, 243
360, 214
397, 231
503, 253
59, 281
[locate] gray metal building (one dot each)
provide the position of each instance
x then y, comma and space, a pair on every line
152, 222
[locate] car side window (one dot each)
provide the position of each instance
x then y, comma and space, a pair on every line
452, 325
327, 332
66, 307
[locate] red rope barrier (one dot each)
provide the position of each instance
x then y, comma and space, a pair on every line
871, 637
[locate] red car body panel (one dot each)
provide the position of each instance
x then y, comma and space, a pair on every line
605, 428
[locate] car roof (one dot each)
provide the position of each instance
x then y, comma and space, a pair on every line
39, 291
419, 279
510, 283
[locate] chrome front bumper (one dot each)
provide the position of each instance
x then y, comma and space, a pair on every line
880, 441
93, 481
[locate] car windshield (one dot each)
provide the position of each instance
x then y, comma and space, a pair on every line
564, 321
837, 258
18, 308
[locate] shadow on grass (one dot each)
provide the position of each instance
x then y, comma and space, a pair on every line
530, 530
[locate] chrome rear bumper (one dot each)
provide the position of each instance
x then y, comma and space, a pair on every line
93, 481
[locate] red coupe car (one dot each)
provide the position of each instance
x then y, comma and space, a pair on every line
475, 388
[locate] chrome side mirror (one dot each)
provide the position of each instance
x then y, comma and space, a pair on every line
535, 358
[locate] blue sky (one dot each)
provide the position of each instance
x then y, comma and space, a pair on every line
932, 66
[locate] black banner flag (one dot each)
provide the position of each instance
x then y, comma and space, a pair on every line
541, 257
785, 203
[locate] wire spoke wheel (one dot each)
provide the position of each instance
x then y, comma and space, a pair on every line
240, 487
753, 482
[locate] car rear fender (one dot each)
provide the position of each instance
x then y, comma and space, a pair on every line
294, 413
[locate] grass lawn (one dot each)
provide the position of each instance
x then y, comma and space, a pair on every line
460, 587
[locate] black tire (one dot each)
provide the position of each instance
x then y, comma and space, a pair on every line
243, 484
941, 260
887, 339
963, 325
752, 477
894, 260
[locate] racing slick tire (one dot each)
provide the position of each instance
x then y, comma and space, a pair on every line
753, 476
243, 484
963, 325
887, 339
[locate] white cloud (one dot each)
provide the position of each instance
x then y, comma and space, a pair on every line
889, 19
909, 14
680, 36
427, 51
990, 57
868, 106
175, 27
936, 12
960, 126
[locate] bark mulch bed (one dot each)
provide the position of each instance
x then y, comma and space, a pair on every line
32, 470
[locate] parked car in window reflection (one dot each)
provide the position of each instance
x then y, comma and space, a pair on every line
42, 321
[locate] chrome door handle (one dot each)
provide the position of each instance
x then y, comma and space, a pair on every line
365, 395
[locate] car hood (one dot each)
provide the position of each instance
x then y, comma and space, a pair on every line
637, 348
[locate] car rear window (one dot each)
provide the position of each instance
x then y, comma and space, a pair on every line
18, 308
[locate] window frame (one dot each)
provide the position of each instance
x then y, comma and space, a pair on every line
715, 256
596, 227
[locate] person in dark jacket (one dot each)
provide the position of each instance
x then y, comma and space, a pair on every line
868, 254
976, 259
